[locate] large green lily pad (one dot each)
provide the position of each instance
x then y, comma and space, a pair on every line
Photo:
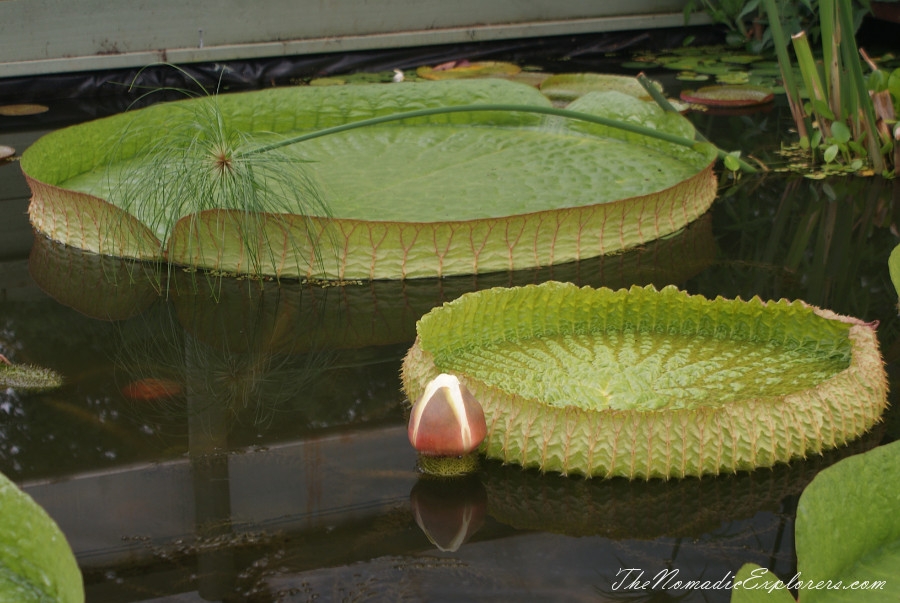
36, 562
449, 194
647, 383
847, 534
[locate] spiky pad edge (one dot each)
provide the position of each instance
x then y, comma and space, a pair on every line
676, 443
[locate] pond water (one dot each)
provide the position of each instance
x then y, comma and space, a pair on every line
219, 439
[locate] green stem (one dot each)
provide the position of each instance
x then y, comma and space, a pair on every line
595, 119
852, 61
661, 100
830, 35
814, 88
780, 42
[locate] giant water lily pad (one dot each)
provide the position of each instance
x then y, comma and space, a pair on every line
435, 196
647, 383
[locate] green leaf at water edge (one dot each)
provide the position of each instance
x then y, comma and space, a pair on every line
840, 132
645, 383
755, 584
848, 529
435, 195
894, 268
36, 562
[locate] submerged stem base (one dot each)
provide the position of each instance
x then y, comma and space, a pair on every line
448, 466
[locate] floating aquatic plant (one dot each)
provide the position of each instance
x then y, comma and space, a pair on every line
729, 96
205, 196
569, 86
231, 186
22, 109
847, 537
646, 383
466, 69
36, 561
27, 377
198, 161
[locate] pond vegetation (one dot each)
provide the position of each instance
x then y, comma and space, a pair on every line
287, 394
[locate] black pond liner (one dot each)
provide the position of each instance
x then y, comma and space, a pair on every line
281, 71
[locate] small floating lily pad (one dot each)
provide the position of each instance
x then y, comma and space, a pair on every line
464, 69
729, 96
643, 383
691, 76
23, 109
569, 86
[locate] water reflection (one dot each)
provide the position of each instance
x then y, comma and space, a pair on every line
797, 238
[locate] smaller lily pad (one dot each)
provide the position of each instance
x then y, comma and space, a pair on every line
569, 86
464, 69
691, 76
736, 78
645, 383
378, 77
24, 109
728, 96
741, 59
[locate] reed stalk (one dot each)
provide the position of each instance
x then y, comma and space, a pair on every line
850, 54
791, 89
844, 112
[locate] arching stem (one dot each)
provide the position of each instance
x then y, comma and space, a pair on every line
576, 115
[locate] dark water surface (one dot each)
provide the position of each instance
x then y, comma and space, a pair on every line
279, 468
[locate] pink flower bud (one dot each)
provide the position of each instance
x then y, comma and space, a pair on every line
447, 420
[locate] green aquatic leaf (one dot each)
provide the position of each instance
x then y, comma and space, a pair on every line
430, 196
840, 132
36, 562
737, 95
690, 76
569, 86
646, 383
893, 85
848, 530
894, 268
465, 69
756, 584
